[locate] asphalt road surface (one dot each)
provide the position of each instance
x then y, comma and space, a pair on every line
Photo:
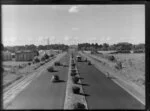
42, 93
103, 93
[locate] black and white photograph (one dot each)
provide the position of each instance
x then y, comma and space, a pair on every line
89, 56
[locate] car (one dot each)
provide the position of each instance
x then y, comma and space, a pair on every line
55, 78
79, 58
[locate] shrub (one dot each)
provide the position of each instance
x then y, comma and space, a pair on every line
138, 51
73, 64
78, 105
118, 65
89, 63
41, 63
20, 66
43, 58
57, 63
75, 79
73, 70
73, 73
75, 90
50, 69
29, 63
52, 55
36, 60
111, 58
123, 51
46, 56
55, 78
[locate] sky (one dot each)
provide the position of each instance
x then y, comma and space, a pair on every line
72, 24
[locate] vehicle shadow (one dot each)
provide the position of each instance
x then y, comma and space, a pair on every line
83, 84
111, 77
83, 94
81, 78
65, 65
55, 71
61, 81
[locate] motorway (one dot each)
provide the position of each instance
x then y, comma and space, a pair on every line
102, 92
42, 93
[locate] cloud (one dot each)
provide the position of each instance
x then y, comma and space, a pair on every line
75, 8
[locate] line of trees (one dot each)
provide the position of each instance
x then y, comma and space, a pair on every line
82, 46
34, 47
106, 46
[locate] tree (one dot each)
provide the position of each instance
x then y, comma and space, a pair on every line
46, 56
124, 46
105, 46
30, 47
96, 46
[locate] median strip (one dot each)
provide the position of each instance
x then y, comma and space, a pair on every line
72, 100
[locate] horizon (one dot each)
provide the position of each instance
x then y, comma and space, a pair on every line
72, 24
72, 44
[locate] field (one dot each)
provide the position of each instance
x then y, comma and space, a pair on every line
133, 67
13, 63
106, 52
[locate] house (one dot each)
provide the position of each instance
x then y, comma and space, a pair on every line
6, 55
26, 55
41, 52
